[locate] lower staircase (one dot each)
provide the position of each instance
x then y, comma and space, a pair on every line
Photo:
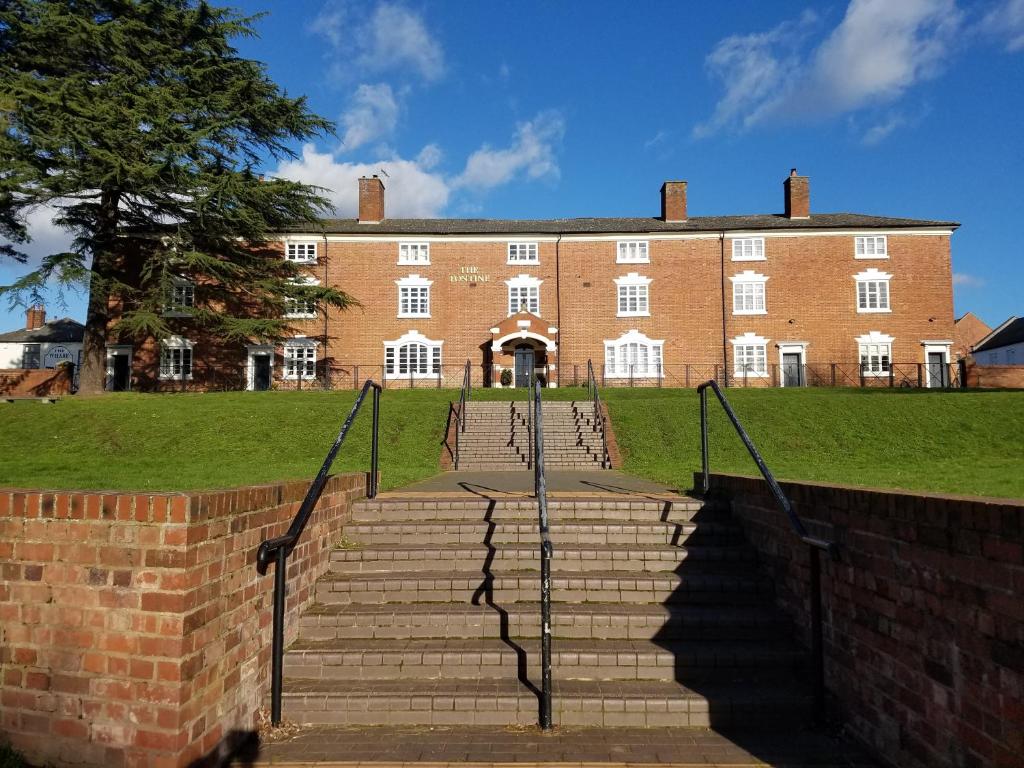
497, 436
429, 615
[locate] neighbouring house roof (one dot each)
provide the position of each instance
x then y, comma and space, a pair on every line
969, 331
1010, 332
55, 331
767, 221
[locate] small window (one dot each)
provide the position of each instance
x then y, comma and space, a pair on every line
300, 360
748, 293
414, 301
414, 253
522, 297
871, 247
299, 307
182, 297
872, 291
633, 295
874, 359
632, 252
176, 359
30, 356
748, 249
301, 253
522, 253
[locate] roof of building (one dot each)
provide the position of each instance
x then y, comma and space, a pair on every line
969, 330
55, 331
765, 221
1010, 332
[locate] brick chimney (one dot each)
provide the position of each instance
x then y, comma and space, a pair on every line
371, 200
798, 196
673, 201
35, 317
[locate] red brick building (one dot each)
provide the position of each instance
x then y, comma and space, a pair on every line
772, 299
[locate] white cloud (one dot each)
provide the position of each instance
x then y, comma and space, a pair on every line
429, 156
374, 114
877, 52
47, 237
412, 191
532, 154
389, 38
1006, 21
878, 132
963, 280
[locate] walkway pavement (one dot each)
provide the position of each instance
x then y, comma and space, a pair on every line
560, 482
472, 746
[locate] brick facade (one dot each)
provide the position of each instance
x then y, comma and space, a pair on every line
134, 628
808, 271
922, 610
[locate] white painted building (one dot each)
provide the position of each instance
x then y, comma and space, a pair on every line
42, 344
1004, 346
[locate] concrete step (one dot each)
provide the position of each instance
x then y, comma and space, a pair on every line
510, 702
468, 659
581, 621
706, 583
579, 532
496, 559
504, 466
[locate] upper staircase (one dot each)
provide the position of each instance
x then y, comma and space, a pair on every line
497, 436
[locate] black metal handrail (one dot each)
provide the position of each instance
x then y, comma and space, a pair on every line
815, 545
278, 548
595, 396
546, 550
460, 415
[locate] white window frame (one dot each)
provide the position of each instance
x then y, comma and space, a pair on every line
179, 345
871, 345
414, 296
748, 249
516, 249
38, 356
630, 349
175, 308
527, 283
741, 347
867, 279
632, 252
428, 352
867, 247
413, 253
302, 251
291, 361
291, 306
639, 287
754, 283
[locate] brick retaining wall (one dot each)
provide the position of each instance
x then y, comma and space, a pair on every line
134, 629
36, 382
993, 376
924, 614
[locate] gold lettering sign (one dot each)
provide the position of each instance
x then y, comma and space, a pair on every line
469, 275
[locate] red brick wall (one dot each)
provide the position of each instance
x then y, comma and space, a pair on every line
134, 629
994, 376
924, 614
36, 382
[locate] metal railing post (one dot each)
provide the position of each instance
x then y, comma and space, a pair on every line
277, 642
546, 550
375, 444
704, 439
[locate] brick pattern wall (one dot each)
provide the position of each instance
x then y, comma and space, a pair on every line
35, 382
924, 616
993, 376
134, 629
691, 303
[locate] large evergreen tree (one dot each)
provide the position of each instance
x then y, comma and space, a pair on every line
142, 126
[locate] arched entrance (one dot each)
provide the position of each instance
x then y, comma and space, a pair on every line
523, 350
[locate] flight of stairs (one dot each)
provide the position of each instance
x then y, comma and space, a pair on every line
429, 615
497, 436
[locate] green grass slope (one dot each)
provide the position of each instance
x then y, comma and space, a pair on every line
960, 442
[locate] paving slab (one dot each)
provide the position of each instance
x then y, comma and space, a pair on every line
466, 746
560, 482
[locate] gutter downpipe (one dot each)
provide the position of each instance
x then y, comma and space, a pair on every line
327, 365
558, 308
725, 348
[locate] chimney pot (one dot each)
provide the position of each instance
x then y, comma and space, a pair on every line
371, 200
673, 201
798, 196
35, 317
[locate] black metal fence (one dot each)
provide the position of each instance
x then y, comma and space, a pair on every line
330, 376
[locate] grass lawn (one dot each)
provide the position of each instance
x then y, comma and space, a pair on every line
961, 442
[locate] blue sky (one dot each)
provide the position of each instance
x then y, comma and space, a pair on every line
542, 110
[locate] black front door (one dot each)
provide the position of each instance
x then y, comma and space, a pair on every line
122, 378
792, 370
524, 366
261, 372
937, 370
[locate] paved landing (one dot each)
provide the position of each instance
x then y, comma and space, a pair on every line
419, 746
560, 482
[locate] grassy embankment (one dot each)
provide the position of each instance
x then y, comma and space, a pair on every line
959, 442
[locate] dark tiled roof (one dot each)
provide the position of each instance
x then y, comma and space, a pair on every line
766, 221
55, 331
1011, 332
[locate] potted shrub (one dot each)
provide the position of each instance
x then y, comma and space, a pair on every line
506, 377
